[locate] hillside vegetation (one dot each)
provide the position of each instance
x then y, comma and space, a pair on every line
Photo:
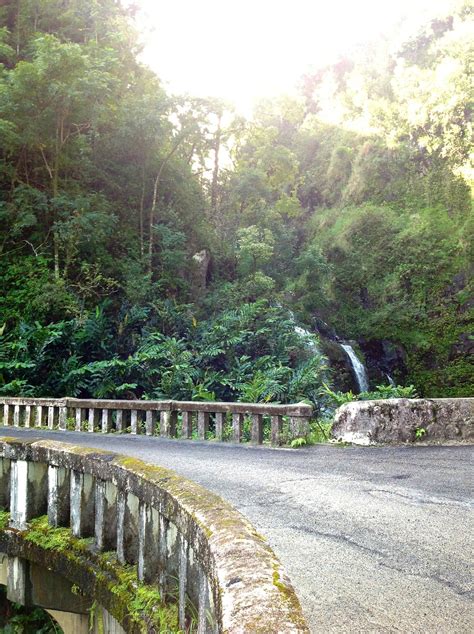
348, 207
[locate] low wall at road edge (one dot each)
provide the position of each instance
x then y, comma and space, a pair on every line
404, 420
170, 534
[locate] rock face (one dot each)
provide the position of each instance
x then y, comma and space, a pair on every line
405, 420
200, 266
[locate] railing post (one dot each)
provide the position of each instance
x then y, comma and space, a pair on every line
82, 504
203, 607
182, 581
92, 419
63, 418
187, 424
134, 422
28, 492
150, 422
18, 581
80, 418
257, 429
105, 421
39, 416
119, 420
127, 527
58, 496
16, 416
220, 420
6, 415
203, 425
168, 423
52, 417
105, 515
237, 427
28, 416
148, 543
5, 472
276, 430
299, 427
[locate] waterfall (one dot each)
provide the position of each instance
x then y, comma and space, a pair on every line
390, 380
309, 338
358, 368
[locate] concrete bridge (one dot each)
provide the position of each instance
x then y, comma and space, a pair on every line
374, 539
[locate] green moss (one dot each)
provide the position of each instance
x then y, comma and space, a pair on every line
4, 519
289, 597
141, 603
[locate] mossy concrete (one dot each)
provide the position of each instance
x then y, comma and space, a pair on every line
405, 421
239, 564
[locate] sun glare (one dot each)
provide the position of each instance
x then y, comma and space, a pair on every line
242, 51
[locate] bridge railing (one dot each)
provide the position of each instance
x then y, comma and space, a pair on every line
169, 419
180, 537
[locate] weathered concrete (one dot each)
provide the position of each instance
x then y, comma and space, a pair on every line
177, 418
230, 574
33, 585
405, 420
375, 540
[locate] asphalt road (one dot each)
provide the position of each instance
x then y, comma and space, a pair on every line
373, 539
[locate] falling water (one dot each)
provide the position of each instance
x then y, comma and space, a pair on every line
309, 338
360, 372
390, 380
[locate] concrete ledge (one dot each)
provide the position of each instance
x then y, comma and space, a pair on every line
405, 421
249, 591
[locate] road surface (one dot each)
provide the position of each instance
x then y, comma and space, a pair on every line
374, 539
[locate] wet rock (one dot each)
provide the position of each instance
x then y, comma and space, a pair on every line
200, 271
405, 420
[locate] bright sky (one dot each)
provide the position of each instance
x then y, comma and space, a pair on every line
242, 50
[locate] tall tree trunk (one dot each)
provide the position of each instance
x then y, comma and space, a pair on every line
151, 237
215, 173
142, 211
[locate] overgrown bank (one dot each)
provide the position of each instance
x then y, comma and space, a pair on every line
109, 187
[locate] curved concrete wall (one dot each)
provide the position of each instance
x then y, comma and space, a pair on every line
179, 536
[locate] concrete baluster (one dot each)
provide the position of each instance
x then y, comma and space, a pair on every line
299, 427
80, 418
149, 540
52, 417
276, 430
7, 415
203, 425
93, 419
119, 420
28, 492
105, 515
237, 427
5, 469
187, 424
182, 581
150, 422
16, 416
58, 496
18, 577
134, 422
203, 626
63, 418
168, 424
82, 504
127, 527
105, 421
27, 420
220, 422
39, 416
256, 433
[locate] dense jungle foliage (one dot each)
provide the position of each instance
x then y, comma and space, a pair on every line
349, 206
